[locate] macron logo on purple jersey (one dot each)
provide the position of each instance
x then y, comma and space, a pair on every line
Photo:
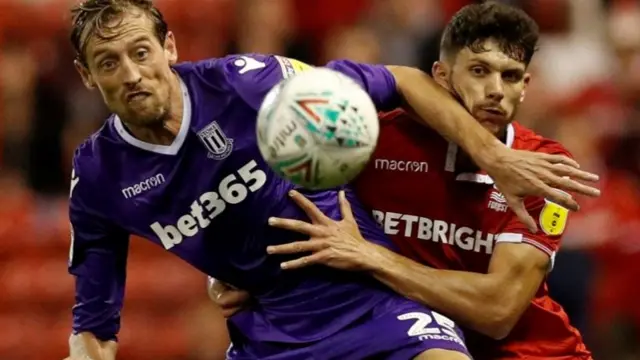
144, 185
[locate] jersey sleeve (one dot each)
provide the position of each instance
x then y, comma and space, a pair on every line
377, 81
253, 75
552, 221
97, 260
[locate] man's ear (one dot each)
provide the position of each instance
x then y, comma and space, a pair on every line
527, 80
440, 73
85, 74
170, 49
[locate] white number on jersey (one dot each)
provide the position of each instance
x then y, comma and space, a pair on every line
421, 326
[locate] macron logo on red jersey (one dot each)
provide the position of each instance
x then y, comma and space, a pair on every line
401, 165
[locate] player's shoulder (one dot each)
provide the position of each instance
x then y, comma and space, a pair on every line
402, 121
527, 139
250, 76
241, 68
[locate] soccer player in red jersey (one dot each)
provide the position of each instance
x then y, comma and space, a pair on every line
466, 254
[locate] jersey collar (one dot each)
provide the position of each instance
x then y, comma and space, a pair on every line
478, 177
156, 148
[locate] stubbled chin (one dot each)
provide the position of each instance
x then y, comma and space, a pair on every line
145, 116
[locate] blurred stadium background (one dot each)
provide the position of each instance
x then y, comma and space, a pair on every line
585, 93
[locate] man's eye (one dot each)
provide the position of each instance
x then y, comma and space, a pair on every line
478, 70
107, 64
512, 76
142, 54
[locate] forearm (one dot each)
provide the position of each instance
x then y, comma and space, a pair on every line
435, 106
474, 300
85, 346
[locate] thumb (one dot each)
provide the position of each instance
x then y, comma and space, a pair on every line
518, 208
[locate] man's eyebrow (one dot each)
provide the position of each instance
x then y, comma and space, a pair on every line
138, 39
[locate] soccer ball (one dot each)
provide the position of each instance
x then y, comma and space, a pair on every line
317, 129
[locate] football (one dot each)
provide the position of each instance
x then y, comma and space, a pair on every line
317, 129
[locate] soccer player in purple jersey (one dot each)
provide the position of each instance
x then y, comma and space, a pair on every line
177, 163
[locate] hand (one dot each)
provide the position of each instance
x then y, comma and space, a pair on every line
519, 173
86, 346
228, 298
336, 244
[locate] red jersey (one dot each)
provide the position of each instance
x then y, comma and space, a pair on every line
450, 219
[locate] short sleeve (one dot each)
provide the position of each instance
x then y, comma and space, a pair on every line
97, 260
551, 220
376, 80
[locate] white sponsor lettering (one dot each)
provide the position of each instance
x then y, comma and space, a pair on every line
431, 326
442, 337
494, 205
144, 185
412, 226
401, 165
233, 189
497, 202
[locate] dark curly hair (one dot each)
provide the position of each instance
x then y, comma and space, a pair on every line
95, 17
515, 32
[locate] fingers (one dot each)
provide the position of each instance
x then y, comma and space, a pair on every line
297, 226
559, 159
229, 299
576, 174
518, 208
562, 198
297, 247
215, 288
575, 187
549, 189
345, 206
309, 208
232, 299
302, 262
567, 176
230, 311
109, 350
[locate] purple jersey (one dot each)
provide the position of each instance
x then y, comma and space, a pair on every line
206, 198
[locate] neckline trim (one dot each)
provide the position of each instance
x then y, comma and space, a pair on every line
177, 143
452, 153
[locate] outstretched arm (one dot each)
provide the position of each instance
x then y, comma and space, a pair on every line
516, 173
99, 270
97, 260
489, 303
